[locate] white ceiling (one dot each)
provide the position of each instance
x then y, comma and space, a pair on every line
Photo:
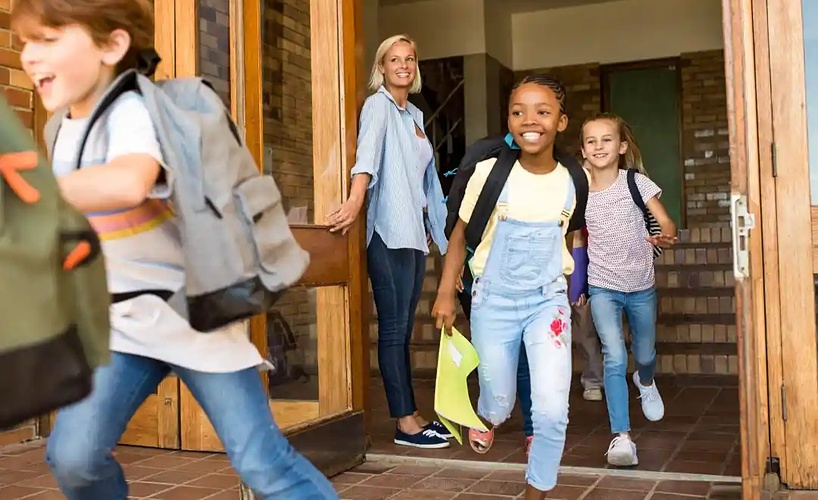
522, 5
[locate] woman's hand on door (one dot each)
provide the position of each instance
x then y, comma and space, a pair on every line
342, 219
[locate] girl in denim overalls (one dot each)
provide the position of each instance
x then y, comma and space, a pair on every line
519, 292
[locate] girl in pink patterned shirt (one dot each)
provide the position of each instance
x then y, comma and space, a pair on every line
620, 272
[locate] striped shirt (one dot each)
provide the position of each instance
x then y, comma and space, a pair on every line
143, 251
389, 152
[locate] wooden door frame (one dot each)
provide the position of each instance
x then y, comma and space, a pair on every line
737, 19
334, 62
338, 260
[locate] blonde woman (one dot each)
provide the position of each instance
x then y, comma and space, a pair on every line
395, 172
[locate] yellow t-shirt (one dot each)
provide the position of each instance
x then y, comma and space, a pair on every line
532, 198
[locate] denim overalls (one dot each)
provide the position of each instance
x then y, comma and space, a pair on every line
521, 296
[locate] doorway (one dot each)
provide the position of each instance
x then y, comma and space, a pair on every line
648, 95
277, 66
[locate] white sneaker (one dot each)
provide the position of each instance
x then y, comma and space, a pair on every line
622, 452
652, 405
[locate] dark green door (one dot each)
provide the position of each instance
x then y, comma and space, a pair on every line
648, 99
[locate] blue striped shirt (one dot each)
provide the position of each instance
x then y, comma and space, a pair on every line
388, 151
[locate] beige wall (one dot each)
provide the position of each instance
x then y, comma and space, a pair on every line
372, 33
624, 30
627, 30
474, 90
499, 39
442, 28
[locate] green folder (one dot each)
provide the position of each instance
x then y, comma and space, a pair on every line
456, 359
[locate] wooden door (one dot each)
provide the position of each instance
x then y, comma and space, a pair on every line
281, 70
787, 60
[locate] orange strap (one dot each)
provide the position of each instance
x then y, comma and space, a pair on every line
76, 256
10, 165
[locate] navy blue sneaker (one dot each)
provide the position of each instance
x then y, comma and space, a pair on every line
424, 439
441, 429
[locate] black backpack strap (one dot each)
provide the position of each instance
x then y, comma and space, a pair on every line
635, 194
577, 221
483, 149
581, 187
125, 82
489, 196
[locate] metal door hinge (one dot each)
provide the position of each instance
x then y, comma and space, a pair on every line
742, 221
774, 155
773, 465
783, 402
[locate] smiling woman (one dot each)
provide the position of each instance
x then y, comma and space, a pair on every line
395, 170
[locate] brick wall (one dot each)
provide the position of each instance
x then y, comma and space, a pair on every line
705, 141
214, 45
287, 97
17, 89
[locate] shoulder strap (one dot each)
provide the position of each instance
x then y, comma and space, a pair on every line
489, 196
488, 147
635, 194
125, 82
581, 187
52, 128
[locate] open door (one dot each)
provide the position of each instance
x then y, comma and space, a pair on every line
279, 68
788, 46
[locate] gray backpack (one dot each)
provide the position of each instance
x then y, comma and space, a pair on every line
239, 251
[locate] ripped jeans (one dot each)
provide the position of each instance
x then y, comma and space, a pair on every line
541, 320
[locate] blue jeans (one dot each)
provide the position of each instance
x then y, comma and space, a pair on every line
397, 278
541, 322
79, 449
607, 307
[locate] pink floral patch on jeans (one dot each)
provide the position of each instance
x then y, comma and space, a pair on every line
558, 326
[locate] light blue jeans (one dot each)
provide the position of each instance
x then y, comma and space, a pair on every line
542, 322
607, 307
79, 449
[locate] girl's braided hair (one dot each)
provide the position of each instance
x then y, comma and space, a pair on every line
547, 81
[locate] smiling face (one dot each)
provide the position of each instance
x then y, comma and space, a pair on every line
602, 144
535, 118
399, 66
67, 66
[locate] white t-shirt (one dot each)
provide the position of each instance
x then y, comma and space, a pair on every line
619, 256
142, 248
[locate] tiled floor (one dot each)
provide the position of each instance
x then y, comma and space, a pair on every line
699, 433
154, 474
375, 481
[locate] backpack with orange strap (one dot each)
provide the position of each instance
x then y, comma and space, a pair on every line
54, 323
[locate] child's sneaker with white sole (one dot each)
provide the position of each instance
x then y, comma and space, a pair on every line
652, 405
622, 452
